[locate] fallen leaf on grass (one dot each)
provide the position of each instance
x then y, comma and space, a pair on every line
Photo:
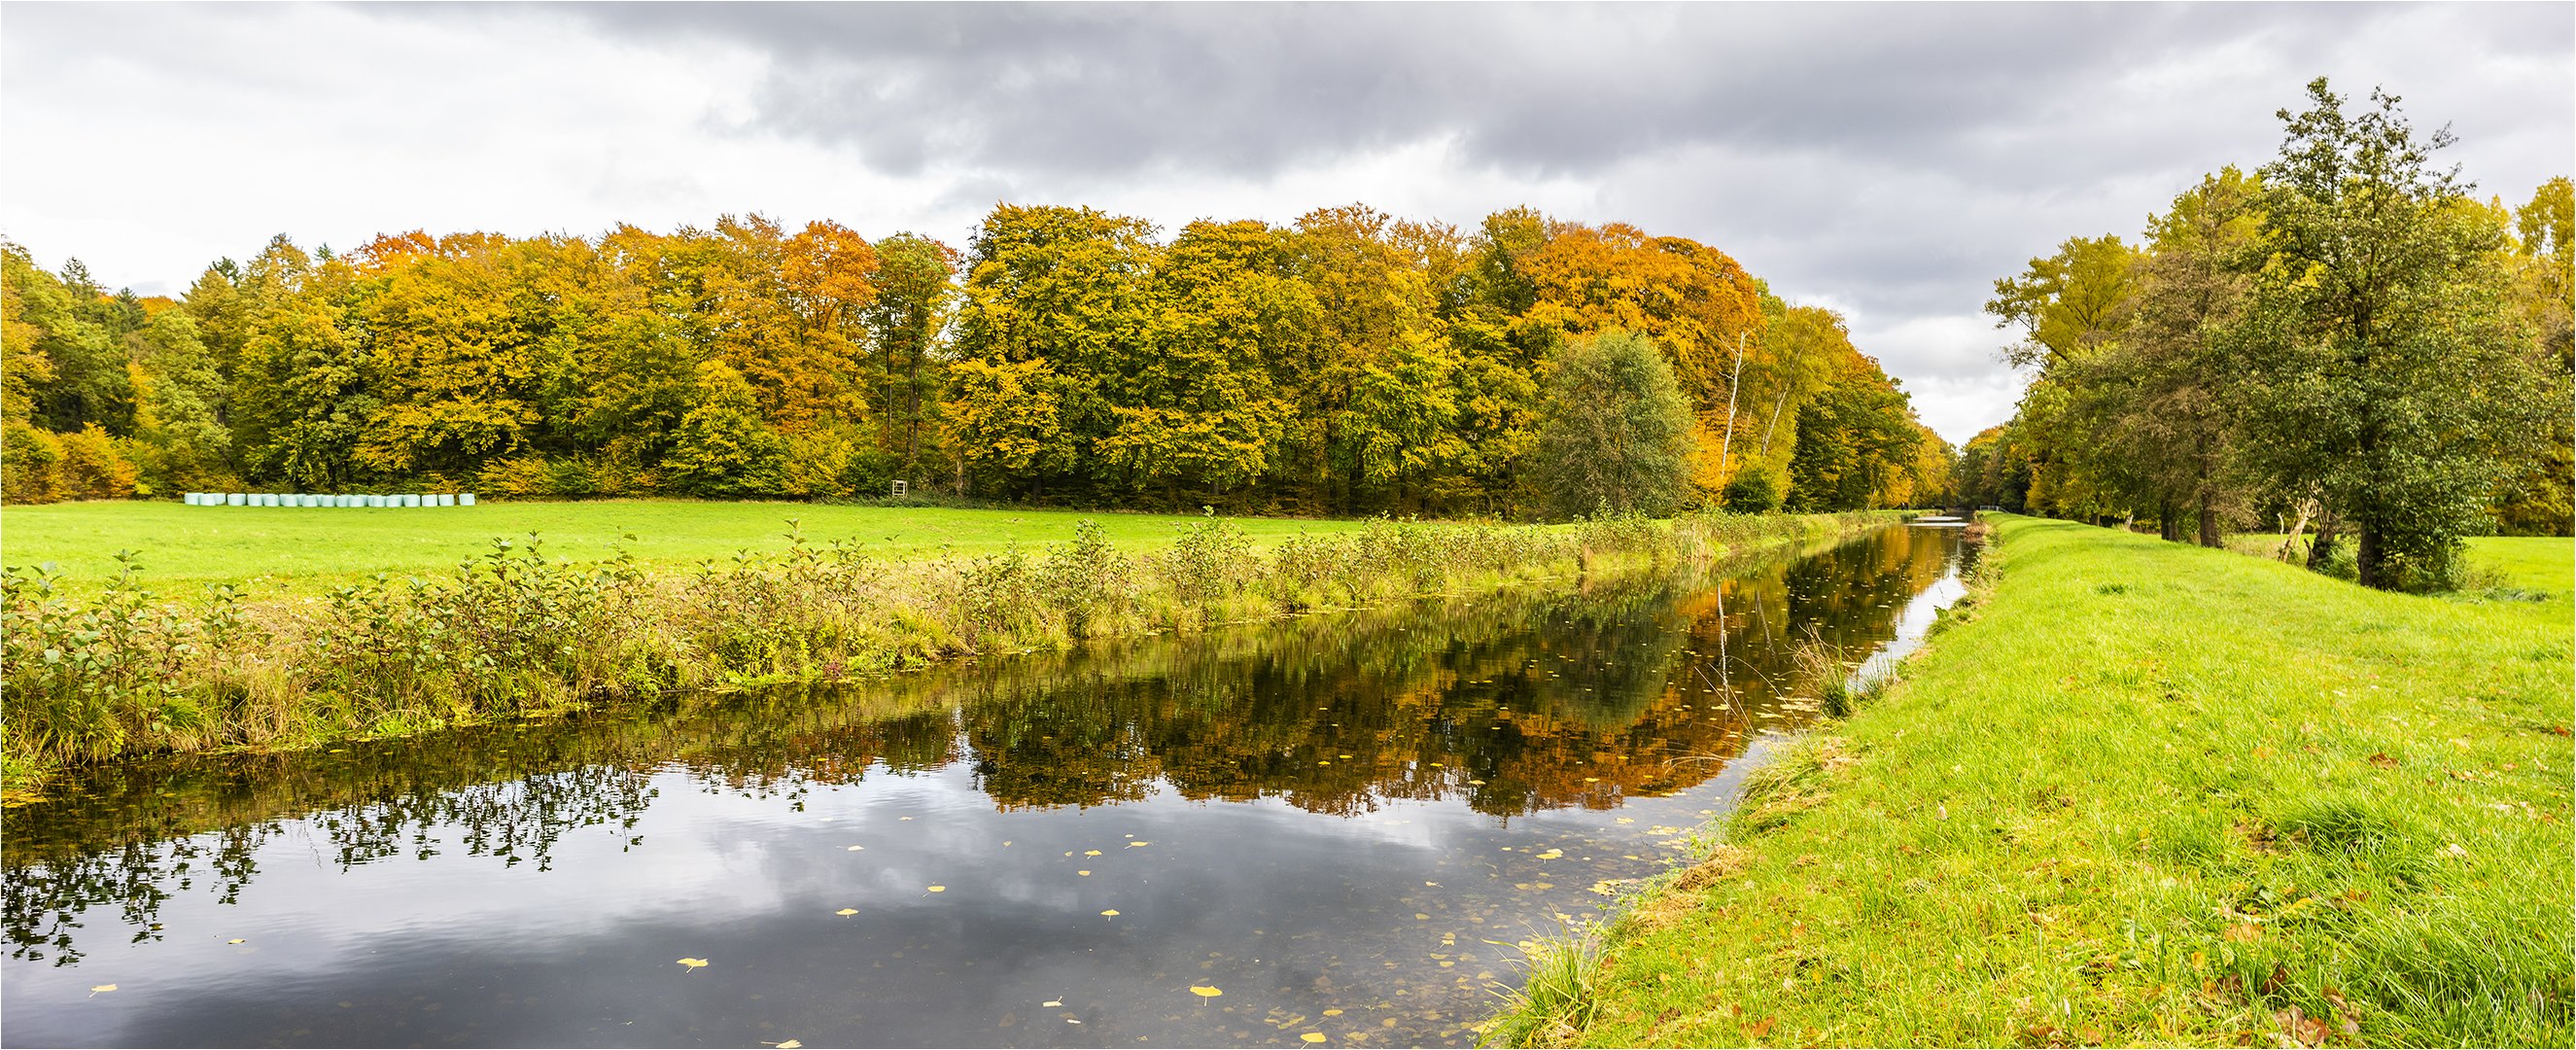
2382, 760
1205, 991
2245, 933
2305, 1030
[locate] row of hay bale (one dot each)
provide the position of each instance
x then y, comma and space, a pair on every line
343, 499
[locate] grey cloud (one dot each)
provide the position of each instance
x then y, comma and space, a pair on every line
1101, 90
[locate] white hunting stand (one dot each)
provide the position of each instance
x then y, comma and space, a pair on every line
900, 488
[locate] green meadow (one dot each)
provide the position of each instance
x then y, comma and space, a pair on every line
2138, 792
182, 547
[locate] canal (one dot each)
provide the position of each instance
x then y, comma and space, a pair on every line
1331, 830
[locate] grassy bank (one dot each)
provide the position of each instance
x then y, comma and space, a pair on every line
2140, 792
312, 549
95, 677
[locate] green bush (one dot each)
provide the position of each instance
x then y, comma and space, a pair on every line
1618, 430
1753, 492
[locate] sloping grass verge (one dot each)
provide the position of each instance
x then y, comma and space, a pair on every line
2141, 792
514, 633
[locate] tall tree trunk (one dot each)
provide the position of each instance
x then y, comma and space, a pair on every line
912, 410
2169, 520
2209, 536
2322, 551
1726, 442
2368, 558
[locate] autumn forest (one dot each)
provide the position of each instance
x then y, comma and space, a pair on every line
1350, 363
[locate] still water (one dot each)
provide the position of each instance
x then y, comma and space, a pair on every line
1339, 824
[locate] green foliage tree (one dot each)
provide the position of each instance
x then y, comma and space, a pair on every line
1618, 429
2157, 396
724, 449
2385, 366
915, 297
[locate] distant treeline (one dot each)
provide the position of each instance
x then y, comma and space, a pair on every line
2345, 339
1350, 363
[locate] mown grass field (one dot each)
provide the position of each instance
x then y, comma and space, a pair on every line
2145, 793
268, 548
2532, 563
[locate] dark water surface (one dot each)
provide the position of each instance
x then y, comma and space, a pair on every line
1341, 823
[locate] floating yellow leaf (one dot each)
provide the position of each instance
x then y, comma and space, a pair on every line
693, 963
939, 889
1313, 1037
1112, 913
1086, 872
1551, 854
236, 940
790, 1045
97, 988
847, 911
855, 849
1133, 845
1052, 1002
1418, 916
1335, 1012
1091, 853
1205, 991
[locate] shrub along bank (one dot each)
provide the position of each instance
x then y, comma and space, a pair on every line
2139, 792
512, 633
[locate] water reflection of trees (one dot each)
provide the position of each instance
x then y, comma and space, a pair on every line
1511, 704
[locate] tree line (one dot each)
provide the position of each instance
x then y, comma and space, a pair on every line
1348, 363
2344, 340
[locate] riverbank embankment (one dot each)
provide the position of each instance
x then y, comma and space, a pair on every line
2141, 792
121, 672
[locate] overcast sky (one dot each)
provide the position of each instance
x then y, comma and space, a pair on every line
1887, 161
